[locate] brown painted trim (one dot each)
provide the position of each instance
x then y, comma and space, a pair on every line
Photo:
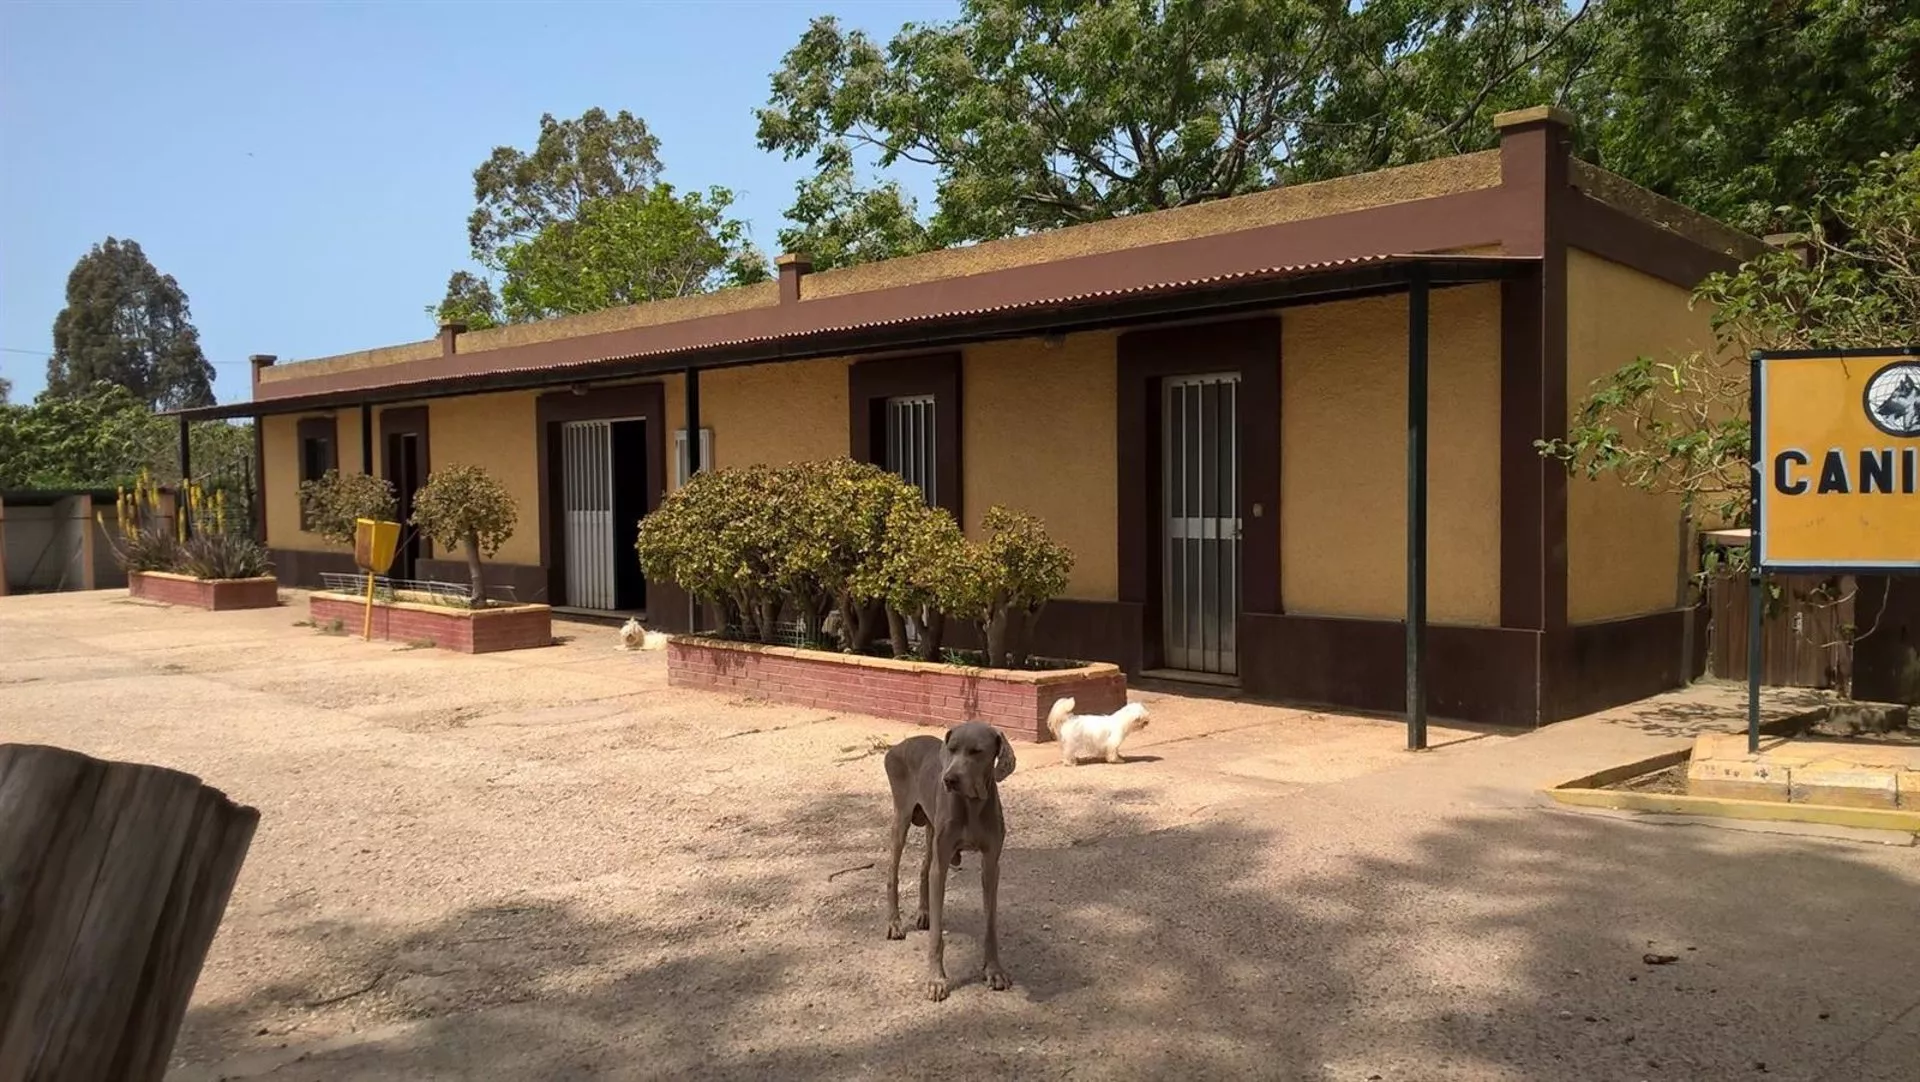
644, 401
871, 383
1250, 347
1613, 234
315, 428
400, 421
1442, 223
1476, 674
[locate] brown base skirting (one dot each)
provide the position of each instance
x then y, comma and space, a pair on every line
1596, 666
302, 569
1479, 674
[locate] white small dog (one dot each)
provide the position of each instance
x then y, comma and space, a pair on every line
635, 637
1093, 736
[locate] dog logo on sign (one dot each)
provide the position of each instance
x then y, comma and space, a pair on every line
1893, 399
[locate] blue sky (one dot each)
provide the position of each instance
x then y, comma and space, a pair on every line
305, 169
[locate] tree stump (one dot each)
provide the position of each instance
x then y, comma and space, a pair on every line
113, 879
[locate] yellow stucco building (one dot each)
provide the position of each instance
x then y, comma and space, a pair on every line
1208, 405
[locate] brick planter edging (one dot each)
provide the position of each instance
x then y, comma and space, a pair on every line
1014, 701
214, 595
468, 631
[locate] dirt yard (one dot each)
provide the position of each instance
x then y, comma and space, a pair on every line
548, 864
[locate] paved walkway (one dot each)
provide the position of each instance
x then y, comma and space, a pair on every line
550, 865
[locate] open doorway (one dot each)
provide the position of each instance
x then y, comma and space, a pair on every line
603, 467
403, 436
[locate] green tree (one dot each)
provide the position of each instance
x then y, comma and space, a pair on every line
127, 324
573, 162
104, 437
639, 246
469, 301
1038, 115
583, 222
465, 506
335, 502
837, 223
6, 390
1750, 110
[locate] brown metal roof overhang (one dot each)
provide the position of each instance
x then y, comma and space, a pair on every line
1091, 292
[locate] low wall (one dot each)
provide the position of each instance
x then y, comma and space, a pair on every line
468, 631
1014, 701
214, 595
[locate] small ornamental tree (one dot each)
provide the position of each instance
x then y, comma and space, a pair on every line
839, 544
464, 505
923, 574
719, 538
1006, 580
337, 500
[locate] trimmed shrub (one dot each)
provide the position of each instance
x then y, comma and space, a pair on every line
847, 537
337, 500
465, 506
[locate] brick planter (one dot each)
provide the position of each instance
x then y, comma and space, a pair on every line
469, 631
214, 595
1015, 702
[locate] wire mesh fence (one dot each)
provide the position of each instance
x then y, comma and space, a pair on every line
416, 591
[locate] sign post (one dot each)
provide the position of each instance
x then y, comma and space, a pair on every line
374, 545
1836, 473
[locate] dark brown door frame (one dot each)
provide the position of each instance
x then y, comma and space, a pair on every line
645, 401
1251, 348
406, 421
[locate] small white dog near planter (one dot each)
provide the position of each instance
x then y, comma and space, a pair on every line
635, 637
1093, 736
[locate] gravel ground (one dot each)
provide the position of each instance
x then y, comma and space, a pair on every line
550, 865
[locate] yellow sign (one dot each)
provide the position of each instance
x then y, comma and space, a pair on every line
1837, 460
374, 544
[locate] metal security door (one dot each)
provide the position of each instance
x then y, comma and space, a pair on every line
1201, 482
586, 459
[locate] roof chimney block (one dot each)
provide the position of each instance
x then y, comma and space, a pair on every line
792, 267
449, 332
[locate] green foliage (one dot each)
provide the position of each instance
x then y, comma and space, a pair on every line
127, 324
140, 537
469, 301
1037, 115
1749, 110
639, 246
1041, 115
1005, 582
104, 437
573, 163
757, 541
583, 222
465, 506
223, 556
839, 224
336, 501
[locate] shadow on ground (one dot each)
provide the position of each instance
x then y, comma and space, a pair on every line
1508, 945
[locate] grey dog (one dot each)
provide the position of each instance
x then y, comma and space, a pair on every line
951, 787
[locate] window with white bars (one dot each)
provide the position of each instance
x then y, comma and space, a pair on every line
680, 454
910, 442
